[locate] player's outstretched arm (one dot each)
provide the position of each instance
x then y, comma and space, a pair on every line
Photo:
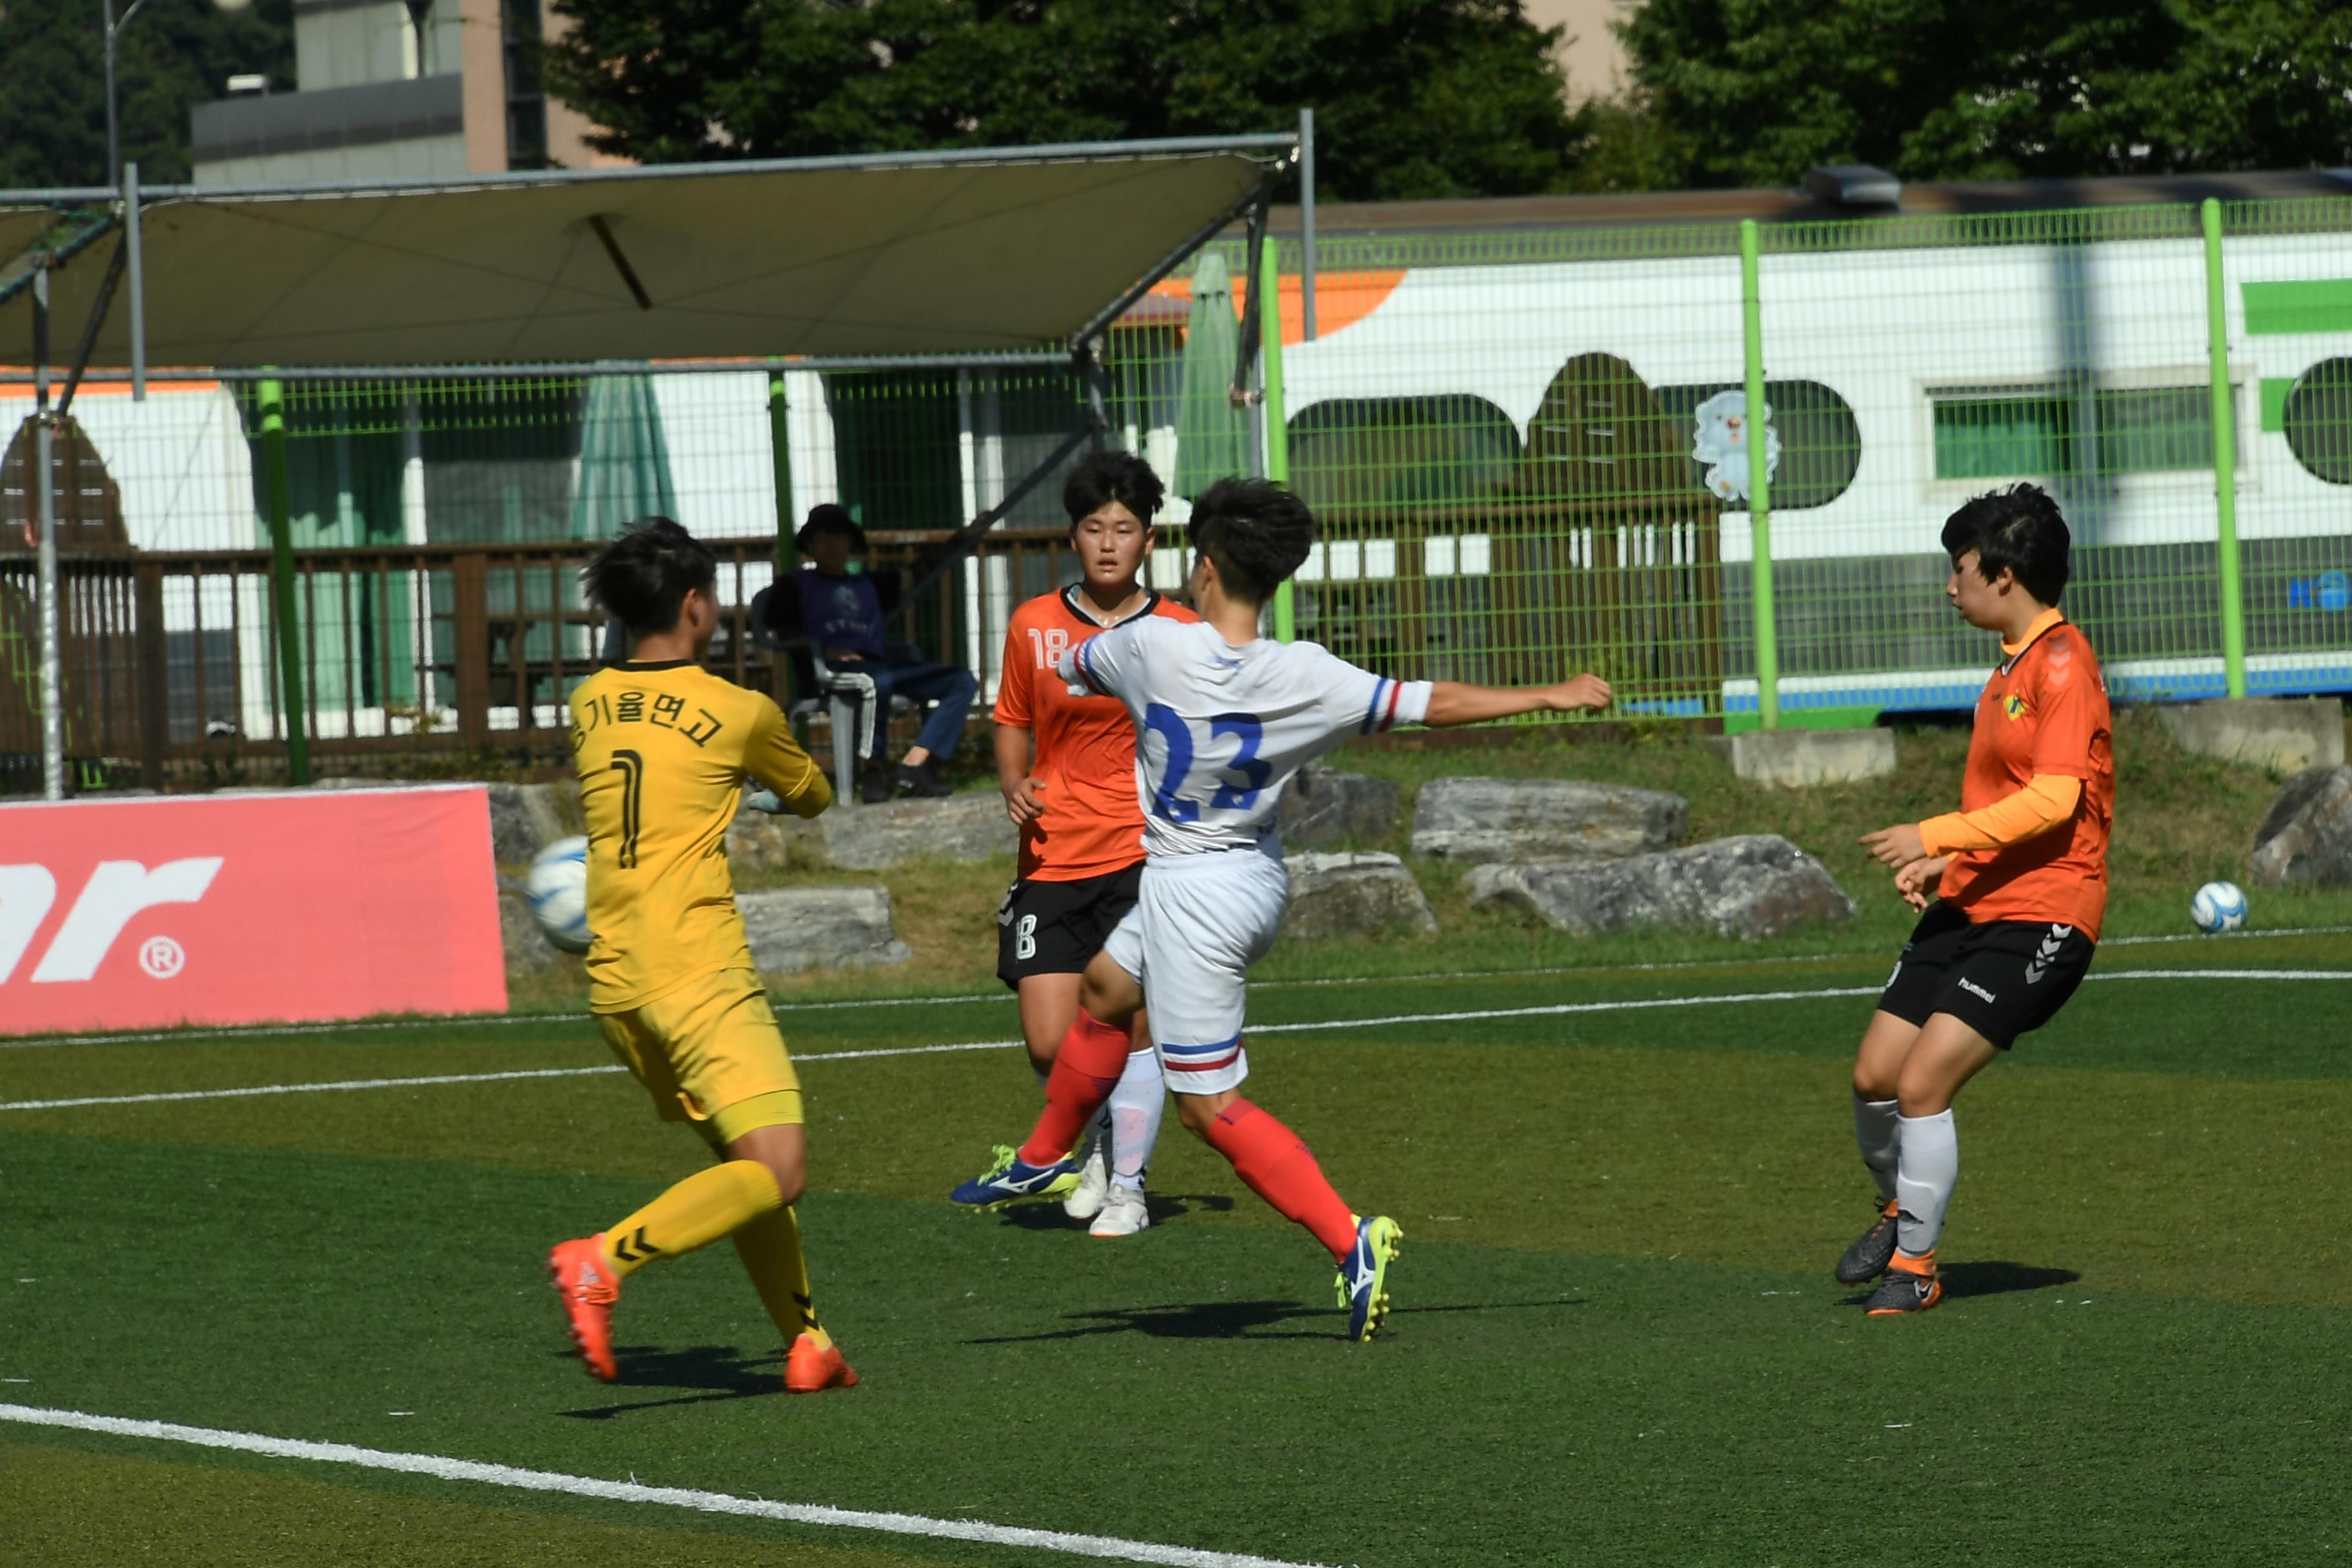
793, 781
1451, 703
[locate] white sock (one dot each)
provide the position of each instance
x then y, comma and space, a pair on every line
1930, 1164
1134, 1111
1878, 1128
1099, 1129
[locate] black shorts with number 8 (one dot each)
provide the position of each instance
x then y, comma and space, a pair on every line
1057, 928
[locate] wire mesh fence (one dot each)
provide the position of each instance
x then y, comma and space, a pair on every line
1529, 452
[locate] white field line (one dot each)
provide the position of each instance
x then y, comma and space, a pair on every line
1774, 960
469, 1020
335, 1085
262, 1031
447, 1470
1633, 1007
1558, 1009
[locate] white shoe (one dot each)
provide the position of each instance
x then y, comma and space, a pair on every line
1086, 1200
1123, 1213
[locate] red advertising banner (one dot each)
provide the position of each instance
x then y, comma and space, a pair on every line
244, 909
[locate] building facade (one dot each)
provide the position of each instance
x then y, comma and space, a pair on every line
397, 89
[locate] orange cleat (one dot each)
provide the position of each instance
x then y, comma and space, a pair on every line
585, 1282
808, 1370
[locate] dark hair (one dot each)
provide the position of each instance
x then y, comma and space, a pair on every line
1257, 532
2017, 530
830, 517
1110, 476
641, 578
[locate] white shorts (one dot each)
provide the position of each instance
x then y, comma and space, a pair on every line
1198, 924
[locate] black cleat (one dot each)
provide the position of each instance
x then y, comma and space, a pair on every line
1904, 1291
1867, 1258
920, 782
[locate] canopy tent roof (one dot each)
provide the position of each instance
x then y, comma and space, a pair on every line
909, 254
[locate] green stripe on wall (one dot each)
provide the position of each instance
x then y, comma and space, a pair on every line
2324, 305
2275, 391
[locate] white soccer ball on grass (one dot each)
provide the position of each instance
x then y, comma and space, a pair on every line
556, 886
2218, 906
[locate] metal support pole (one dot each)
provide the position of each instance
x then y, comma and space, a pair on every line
287, 622
1277, 432
2225, 457
44, 481
1760, 487
138, 283
1306, 220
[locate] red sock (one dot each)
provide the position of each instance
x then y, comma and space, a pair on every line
1281, 1169
1092, 1057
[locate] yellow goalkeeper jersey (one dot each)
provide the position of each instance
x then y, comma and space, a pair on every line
663, 750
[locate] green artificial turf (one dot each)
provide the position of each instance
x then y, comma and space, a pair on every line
1616, 1340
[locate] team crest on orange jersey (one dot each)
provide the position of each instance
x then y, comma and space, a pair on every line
2013, 705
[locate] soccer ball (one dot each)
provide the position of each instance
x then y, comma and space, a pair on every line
2218, 906
557, 889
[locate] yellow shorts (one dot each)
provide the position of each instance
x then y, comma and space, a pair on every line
711, 1053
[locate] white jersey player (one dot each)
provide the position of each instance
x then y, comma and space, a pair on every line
1220, 731
1224, 718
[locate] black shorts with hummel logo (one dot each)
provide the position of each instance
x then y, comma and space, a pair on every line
2001, 978
1057, 928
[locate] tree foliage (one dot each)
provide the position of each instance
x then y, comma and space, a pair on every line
173, 54
1413, 98
1753, 93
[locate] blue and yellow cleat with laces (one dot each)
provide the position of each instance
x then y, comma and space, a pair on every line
1012, 1177
1363, 1280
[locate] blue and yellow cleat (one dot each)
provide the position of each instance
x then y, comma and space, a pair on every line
1013, 1177
1363, 1279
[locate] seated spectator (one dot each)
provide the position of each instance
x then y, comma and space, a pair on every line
839, 608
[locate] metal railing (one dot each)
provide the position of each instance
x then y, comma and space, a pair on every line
410, 660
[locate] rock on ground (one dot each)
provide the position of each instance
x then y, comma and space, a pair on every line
967, 826
1756, 885
796, 929
528, 951
2307, 836
1322, 807
1347, 895
1478, 820
2288, 735
527, 818
1799, 759
767, 841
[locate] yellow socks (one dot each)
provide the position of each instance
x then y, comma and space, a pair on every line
770, 1249
738, 1198
697, 1211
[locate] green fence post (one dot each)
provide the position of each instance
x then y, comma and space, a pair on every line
288, 625
1759, 488
2225, 457
1277, 427
780, 455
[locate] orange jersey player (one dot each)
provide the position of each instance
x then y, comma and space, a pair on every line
2020, 879
1066, 759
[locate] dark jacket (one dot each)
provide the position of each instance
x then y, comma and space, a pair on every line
845, 612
